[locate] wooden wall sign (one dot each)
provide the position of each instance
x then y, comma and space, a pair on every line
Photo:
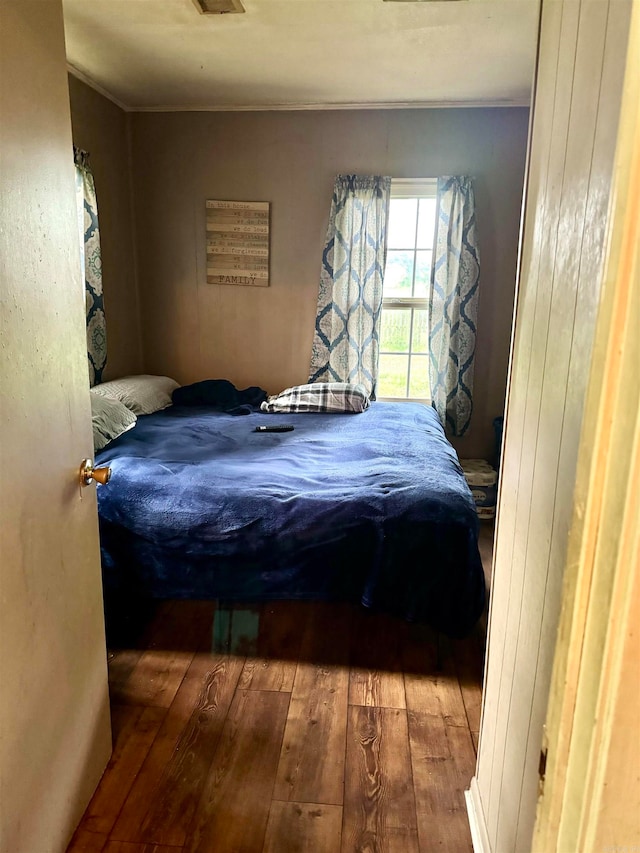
238, 242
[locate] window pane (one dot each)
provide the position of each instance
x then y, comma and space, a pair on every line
402, 223
419, 340
423, 273
426, 223
419, 378
392, 375
394, 334
398, 274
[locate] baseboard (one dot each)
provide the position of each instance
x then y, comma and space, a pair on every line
479, 834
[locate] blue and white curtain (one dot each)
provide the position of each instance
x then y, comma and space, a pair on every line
346, 341
453, 304
91, 263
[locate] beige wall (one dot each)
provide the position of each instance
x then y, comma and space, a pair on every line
193, 330
102, 129
582, 53
54, 705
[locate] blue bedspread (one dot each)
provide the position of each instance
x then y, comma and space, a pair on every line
370, 507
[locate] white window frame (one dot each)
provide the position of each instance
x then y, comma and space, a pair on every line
409, 188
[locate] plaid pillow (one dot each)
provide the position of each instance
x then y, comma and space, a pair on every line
319, 397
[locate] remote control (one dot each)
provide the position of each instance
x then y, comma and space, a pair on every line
275, 428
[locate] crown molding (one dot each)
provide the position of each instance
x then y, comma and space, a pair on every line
381, 105
89, 81
233, 108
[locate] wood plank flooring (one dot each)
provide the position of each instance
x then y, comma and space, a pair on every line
329, 731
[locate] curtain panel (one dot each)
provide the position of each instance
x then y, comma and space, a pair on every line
91, 264
346, 340
453, 304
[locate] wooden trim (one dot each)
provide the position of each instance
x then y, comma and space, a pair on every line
382, 105
596, 639
477, 825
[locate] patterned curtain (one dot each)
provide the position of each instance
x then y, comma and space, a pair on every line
91, 261
453, 304
346, 341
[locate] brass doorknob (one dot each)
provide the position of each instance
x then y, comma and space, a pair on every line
88, 473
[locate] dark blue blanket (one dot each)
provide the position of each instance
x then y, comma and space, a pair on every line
370, 507
220, 394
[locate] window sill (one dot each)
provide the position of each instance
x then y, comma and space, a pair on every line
426, 401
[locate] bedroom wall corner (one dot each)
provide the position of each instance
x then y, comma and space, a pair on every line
103, 129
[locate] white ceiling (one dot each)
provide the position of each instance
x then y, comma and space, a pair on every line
163, 54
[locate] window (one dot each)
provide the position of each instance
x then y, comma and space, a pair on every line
403, 371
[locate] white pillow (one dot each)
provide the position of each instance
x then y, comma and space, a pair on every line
143, 394
110, 418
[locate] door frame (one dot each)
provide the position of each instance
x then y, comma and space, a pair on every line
591, 782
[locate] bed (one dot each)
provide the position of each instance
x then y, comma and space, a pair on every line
370, 507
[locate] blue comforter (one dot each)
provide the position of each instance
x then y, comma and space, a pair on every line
370, 507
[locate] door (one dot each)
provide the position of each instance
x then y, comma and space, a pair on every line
579, 87
54, 711
591, 794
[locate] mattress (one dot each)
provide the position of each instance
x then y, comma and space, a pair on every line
370, 507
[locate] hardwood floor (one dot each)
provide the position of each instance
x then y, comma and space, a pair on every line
291, 726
